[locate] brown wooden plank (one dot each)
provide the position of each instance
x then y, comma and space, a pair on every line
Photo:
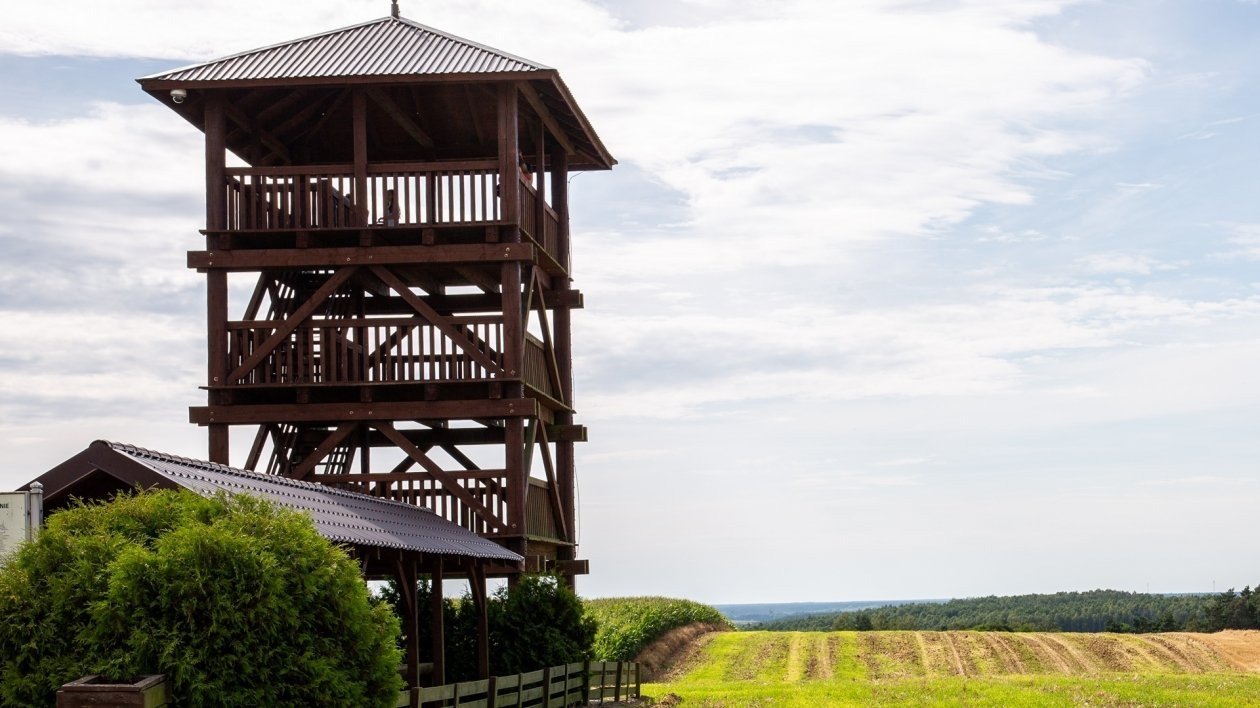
448, 482
260, 258
490, 474
540, 109
335, 438
456, 334
290, 323
336, 412
400, 117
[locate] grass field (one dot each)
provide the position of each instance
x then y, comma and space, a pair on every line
968, 669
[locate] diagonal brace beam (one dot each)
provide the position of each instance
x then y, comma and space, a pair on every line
450, 483
291, 323
457, 334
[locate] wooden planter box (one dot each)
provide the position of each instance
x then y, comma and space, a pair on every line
98, 692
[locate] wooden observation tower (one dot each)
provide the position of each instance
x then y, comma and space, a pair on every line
388, 275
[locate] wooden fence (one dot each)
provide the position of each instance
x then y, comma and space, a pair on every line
555, 687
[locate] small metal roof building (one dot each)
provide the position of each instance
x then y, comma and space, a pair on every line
389, 538
357, 520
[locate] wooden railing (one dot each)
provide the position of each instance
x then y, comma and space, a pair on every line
546, 237
399, 194
434, 193
537, 366
289, 198
396, 194
487, 487
555, 687
378, 350
540, 516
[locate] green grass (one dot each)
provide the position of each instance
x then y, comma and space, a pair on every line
1206, 690
628, 624
780, 669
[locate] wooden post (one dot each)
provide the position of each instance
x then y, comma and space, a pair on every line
617, 684
405, 572
513, 321
477, 581
518, 482
216, 280
562, 338
438, 630
586, 681
509, 158
359, 106
546, 685
540, 210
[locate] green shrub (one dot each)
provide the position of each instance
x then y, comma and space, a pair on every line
538, 623
236, 601
626, 625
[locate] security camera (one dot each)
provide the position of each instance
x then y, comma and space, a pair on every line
179, 95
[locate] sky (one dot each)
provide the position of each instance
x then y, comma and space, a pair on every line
886, 299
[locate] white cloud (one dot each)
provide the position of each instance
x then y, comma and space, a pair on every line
1245, 241
1123, 263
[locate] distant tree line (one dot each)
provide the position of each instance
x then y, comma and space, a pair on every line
1092, 611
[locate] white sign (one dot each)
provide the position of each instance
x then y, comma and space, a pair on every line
15, 520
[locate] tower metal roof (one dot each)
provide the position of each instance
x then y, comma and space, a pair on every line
390, 46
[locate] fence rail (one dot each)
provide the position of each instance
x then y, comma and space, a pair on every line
381, 350
554, 687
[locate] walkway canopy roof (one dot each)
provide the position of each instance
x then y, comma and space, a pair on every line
437, 91
359, 520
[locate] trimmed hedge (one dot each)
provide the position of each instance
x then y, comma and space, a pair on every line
626, 625
236, 601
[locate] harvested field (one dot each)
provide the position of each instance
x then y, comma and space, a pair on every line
819, 656
791, 669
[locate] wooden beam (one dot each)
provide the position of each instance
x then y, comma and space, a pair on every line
359, 131
282, 332
264, 138
330, 443
258, 259
549, 349
540, 109
509, 156
553, 490
566, 433
216, 285
327, 114
436, 616
455, 333
448, 482
402, 476
255, 450
400, 117
477, 583
337, 412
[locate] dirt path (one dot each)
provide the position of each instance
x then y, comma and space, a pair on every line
819, 666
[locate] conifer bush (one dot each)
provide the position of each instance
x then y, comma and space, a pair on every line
237, 601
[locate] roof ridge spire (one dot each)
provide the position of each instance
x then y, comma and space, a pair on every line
393, 9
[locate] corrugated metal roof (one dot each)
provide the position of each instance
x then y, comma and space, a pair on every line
340, 516
386, 47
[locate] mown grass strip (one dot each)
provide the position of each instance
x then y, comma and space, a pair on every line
1206, 690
